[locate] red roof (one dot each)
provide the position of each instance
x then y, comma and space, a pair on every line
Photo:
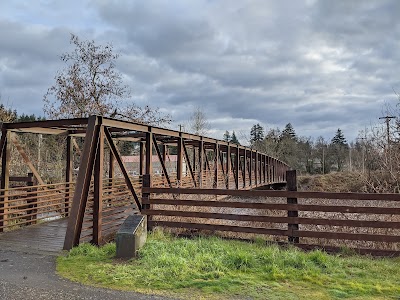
136, 158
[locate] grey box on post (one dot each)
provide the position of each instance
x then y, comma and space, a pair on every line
131, 236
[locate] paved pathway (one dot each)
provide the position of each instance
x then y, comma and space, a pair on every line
26, 275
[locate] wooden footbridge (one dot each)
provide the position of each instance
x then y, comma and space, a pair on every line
92, 202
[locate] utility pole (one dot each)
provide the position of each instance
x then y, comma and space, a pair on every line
387, 121
363, 152
350, 168
387, 148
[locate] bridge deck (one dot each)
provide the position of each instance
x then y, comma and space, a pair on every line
45, 237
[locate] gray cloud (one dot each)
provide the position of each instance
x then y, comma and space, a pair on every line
317, 64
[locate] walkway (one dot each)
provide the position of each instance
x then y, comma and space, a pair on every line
28, 267
32, 276
45, 237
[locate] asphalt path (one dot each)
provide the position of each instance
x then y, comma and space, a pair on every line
26, 275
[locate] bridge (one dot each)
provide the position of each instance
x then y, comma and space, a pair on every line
90, 204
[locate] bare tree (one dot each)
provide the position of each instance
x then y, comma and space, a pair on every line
90, 84
7, 114
198, 122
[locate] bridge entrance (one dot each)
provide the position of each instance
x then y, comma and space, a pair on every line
96, 181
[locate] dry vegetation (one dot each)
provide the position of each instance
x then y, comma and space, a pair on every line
334, 182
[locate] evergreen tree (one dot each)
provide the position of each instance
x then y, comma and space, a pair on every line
29, 118
234, 138
227, 136
256, 134
339, 138
289, 132
339, 149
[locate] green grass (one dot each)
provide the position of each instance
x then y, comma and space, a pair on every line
208, 267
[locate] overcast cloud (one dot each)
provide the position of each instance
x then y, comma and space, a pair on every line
317, 64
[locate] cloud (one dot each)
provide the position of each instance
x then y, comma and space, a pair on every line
317, 64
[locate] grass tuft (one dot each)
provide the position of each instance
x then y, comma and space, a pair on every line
211, 267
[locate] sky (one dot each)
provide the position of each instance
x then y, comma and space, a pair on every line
320, 65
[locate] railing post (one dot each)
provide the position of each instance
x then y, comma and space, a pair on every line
5, 176
228, 165
32, 203
68, 175
237, 155
179, 167
244, 167
201, 162
256, 168
216, 152
251, 168
146, 199
292, 186
141, 158
149, 152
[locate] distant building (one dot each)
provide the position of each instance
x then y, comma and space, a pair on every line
132, 163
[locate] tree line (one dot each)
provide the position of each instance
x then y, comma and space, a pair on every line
305, 154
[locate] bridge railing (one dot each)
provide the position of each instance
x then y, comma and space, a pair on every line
23, 206
367, 223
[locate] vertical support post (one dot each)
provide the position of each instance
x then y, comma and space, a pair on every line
292, 186
32, 203
228, 165
201, 161
5, 177
98, 189
244, 167
256, 168
146, 198
68, 174
251, 168
237, 154
111, 169
273, 170
77, 211
149, 152
194, 159
260, 167
141, 157
164, 155
216, 152
179, 167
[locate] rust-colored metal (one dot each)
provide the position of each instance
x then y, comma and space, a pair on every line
179, 161
87, 217
98, 189
83, 182
162, 161
5, 176
187, 159
122, 167
21, 151
68, 172
292, 186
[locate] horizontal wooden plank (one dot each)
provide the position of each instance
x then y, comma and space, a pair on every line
273, 219
213, 227
257, 230
276, 206
272, 193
